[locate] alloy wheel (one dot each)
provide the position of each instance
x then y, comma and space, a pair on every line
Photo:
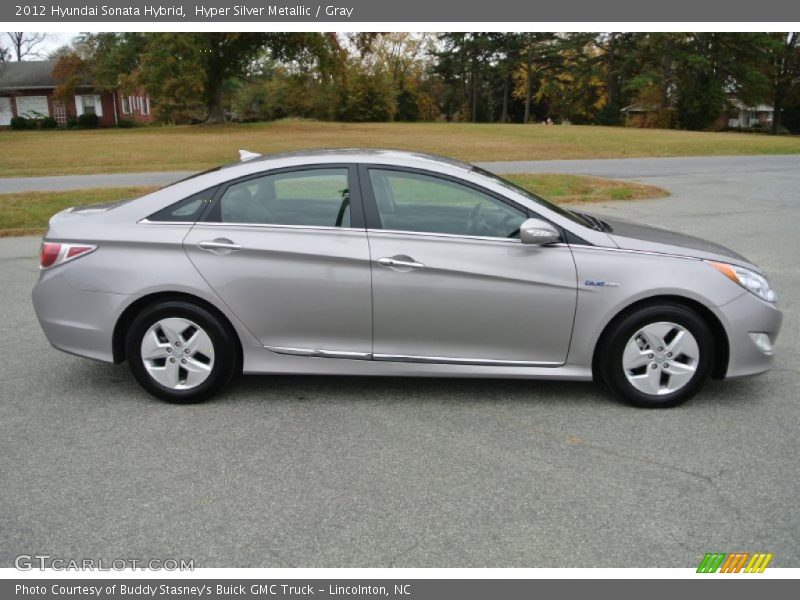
660, 358
177, 353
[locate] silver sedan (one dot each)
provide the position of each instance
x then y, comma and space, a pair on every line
370, 262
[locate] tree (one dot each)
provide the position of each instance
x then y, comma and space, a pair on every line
171, 70
26, 45
366, 96
616, 54
539, 52
506, 58
70, 71
464, 63
784, 55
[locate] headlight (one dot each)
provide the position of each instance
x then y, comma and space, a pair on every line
748, 279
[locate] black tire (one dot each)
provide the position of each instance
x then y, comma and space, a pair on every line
227, 362
617, 335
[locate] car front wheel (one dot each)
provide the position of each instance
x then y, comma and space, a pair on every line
180, 352
657, 356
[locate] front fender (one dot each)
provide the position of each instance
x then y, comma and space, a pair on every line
634, 277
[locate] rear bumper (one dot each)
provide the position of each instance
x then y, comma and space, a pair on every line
76, 321
745, 315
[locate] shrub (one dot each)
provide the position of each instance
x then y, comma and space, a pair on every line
87, 121
22, 123
126, 123
72, 123
366, 97
48, 123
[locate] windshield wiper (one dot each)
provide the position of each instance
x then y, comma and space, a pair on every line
596, 223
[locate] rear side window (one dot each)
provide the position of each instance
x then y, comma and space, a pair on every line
310, 197
188, 209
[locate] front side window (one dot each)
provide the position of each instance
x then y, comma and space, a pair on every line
311, 197
423, 203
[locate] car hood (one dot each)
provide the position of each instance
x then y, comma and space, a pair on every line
653, 238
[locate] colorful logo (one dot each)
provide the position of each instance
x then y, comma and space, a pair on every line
735, 562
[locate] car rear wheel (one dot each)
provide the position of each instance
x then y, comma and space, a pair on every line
658, 356
180, 352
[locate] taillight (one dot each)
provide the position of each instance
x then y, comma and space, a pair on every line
49, 254
53, 254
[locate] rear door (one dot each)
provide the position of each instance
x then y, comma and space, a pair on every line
452, 283
287, 251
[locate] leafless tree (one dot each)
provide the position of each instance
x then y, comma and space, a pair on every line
27, 44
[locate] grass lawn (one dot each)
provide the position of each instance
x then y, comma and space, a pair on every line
29, 153
27, 213
573, 189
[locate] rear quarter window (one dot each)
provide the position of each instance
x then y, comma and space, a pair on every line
187, 210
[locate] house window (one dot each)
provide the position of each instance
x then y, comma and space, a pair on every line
88, 105
126, 105
32, 107
146, 105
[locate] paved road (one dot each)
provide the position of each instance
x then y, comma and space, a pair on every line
323, 471
623, 168
76, 182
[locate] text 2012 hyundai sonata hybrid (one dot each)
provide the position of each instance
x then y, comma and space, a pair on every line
371, 262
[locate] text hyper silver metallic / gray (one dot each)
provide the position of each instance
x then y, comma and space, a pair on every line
370, 262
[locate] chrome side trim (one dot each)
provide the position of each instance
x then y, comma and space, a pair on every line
443, 360
478, 362
281, 226
147, 221
446, 235
317, 353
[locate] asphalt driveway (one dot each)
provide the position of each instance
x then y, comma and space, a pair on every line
324, 471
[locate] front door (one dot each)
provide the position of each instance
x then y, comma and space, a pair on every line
451, 281
288, 253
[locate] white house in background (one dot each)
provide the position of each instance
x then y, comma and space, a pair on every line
26, 90
737, 115
742, 116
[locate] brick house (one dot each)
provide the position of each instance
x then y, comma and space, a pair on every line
640, 115
737, 115
26, 90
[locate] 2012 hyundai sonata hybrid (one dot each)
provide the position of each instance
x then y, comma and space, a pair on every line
371, 262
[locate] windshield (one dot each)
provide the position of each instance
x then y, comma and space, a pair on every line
572, 216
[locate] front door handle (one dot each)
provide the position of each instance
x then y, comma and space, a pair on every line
219, 244
404, 262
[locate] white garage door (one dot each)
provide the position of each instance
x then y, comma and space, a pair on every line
5, 111
32, 106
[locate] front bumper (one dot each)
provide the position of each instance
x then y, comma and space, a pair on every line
745, 315
76, 321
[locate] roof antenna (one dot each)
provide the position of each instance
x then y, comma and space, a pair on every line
245, 155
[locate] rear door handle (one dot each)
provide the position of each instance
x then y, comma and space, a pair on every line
402, 263
219, 244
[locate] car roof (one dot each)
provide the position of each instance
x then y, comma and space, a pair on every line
379, 155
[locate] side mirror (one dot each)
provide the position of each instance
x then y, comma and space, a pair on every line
536, 231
